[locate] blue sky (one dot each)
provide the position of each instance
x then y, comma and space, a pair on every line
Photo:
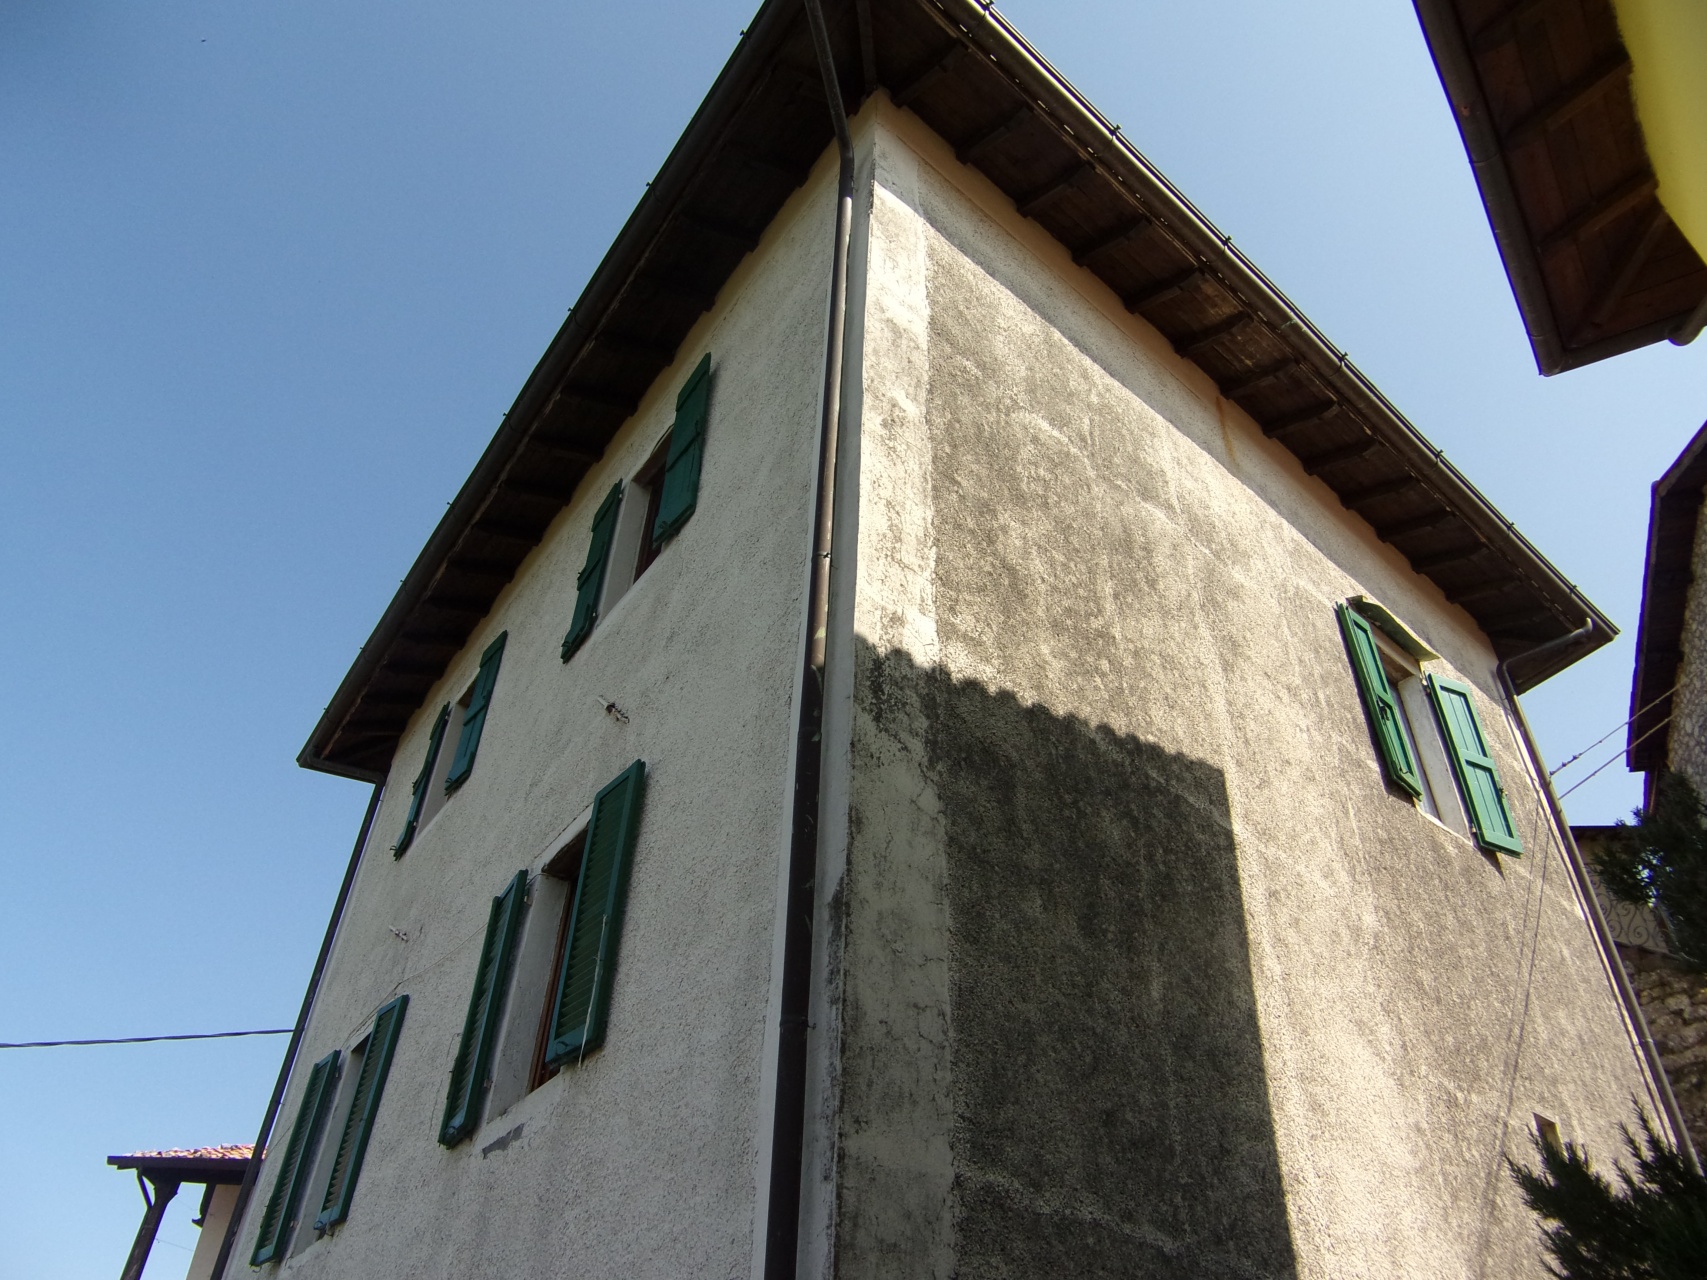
270, 272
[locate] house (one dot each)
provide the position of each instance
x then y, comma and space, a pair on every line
950, 732
218, 1171
1668, 731
1585, 123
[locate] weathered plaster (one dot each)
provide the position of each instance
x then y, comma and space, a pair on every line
1687, 734
700, 655
1079, 566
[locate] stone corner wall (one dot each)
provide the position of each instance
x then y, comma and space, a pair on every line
1674, 1000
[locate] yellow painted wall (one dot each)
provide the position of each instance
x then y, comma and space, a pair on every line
1667, 40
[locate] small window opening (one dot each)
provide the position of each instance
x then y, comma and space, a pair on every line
651, 479
436, 796
1439, 798
564, 870
1548, 1131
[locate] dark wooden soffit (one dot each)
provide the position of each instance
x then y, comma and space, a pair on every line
1541, 93
1672, 518
974, 81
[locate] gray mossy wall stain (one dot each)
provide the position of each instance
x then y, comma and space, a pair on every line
1109, 1101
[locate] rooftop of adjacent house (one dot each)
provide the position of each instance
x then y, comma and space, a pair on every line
1541, 93
1672, 518
190, 1164
973, 79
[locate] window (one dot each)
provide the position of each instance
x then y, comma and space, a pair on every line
370, 1063
470, 1072
632, 524
290, 1165
321, 1179
442, 772
1427, 730
542, 983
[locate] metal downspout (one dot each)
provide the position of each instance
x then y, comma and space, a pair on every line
1591, 904
782, 1231
253, 1170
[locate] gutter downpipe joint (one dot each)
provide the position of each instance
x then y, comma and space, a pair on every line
1585, 892
782, 1231
253, 1170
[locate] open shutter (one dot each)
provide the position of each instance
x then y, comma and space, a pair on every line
595, 922
687, 448
471, 1069
418, 796
294, 1163
1473, 762
1379, 700
591, 581
474, 719
364, 1105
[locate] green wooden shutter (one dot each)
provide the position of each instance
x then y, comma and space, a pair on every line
591, 581
1379, 700
418, 796
294, 1163
687, 449
595, 923
364, 1105
474, 719
1473, 762
471, 1069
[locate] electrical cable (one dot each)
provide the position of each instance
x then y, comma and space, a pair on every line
1650, 733
1558, 769
203, 1035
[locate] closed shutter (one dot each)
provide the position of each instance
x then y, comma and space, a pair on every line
1473, 762
595, 922
471, 1069
364, 1105
424, 779
591, 581
294, 1163
1379, 700
687, 448
474, 719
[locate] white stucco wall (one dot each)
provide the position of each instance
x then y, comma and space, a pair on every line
645, 1160
1060, 518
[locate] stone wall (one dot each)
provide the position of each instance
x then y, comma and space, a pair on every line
1687, 746
1674, 999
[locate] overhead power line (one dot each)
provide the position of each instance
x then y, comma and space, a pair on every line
203, 1035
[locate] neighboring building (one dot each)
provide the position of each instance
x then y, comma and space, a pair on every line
1586, 126
217, 1170
1668, 731
1165, 890
1668, 699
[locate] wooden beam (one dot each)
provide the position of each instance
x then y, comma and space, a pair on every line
1170, 288
1425, 564
1384, 489
601, 396
1622, 198
1251, 381
1055, 189
745, 238
1320, 462
1416, 524
1200, 342
1570, 101
1117, 237
1635, 258
1299, 418
931, 74
971, 151
1484, 590
1504, 27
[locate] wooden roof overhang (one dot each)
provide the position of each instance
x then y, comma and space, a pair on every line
1541, 93
1673, 516
214, 1171
974, 80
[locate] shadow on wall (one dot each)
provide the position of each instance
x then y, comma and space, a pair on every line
1111, 1112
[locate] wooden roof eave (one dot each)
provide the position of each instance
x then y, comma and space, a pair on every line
429, 616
